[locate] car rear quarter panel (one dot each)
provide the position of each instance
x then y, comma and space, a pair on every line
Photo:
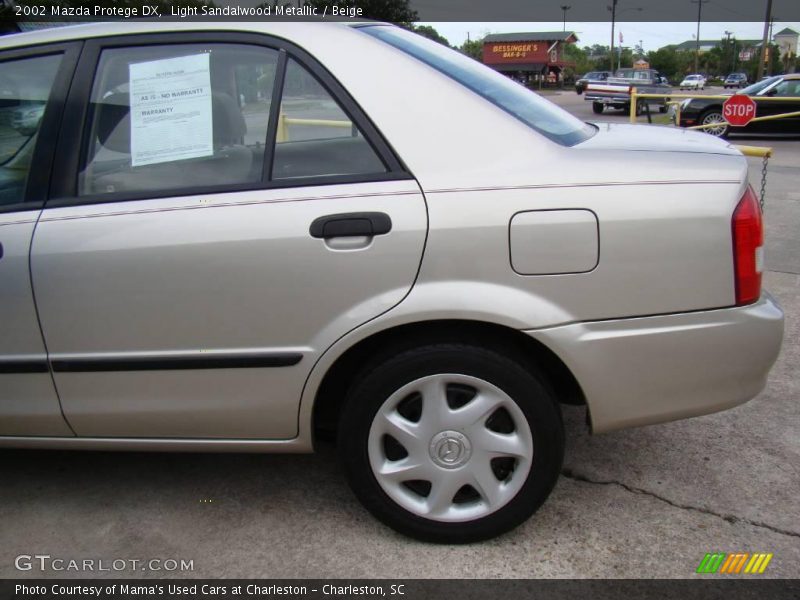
664, 217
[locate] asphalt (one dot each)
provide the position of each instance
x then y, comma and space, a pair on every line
646, 502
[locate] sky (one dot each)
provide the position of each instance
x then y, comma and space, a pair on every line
652, 35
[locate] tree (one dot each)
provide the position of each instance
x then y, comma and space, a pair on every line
751, 66
790, 62
728, 51
599, 57
624, 58
7, 16
583, 64
713, 62
430, 33
671, 62
473, 49
776, 62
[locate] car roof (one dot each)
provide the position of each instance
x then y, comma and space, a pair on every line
93, 30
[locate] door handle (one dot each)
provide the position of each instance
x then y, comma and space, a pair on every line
351, 225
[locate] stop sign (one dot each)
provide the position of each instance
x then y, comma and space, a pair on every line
739, 110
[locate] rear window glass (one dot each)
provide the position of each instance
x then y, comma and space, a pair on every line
527, 106
178, 116
759, 86
25, 86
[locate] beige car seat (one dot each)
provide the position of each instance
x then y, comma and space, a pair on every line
231, 162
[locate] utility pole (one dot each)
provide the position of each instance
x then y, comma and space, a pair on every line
764, 42
728, 35
613, 9
697, 39
769, 41
565, 8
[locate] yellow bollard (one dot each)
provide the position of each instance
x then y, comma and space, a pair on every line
282, 134
758, 151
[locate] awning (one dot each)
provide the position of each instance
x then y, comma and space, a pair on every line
514, 67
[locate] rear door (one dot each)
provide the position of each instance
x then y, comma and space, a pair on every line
33, 85
788, 91
229, 214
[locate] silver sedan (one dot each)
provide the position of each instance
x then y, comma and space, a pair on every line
246, 237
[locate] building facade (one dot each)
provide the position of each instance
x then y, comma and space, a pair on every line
530, 56
787, 42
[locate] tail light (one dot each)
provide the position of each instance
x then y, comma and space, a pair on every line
747, 226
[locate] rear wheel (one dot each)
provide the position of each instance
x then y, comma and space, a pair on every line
720, 127
597, 108
451, 443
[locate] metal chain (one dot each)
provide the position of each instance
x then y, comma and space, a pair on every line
764, 181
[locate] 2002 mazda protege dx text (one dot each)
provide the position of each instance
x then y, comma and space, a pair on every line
247, 236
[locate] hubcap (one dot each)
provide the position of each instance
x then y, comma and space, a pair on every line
450, 447
719, 120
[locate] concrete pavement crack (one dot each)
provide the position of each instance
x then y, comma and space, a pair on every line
782, 272
732, 519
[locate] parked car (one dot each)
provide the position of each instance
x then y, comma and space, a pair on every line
616, 91
580, 84
702, 111
334, 266
735, 80
693, 82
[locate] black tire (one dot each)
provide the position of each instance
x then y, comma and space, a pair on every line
597, 108
662, 109
528, 390
579, 90
640, 107
717, 113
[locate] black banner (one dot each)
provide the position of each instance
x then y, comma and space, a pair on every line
713, 588
533, 11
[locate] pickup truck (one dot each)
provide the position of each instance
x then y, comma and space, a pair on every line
616, 91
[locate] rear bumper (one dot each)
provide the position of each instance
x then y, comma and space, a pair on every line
654, 369
594, 97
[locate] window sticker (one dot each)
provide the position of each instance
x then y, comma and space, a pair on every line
171, 116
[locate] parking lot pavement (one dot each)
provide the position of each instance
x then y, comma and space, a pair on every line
577, 105
647, 502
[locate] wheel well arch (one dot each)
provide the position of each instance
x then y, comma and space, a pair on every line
713, 108
710, 108
380, 346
